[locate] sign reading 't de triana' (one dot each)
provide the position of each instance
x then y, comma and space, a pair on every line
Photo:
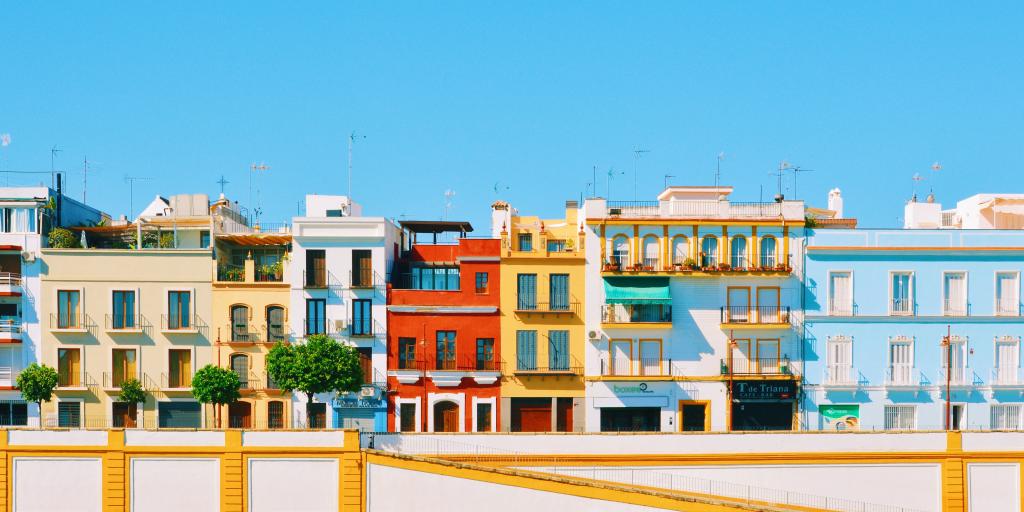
763, 390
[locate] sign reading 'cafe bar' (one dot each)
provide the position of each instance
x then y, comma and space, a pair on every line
763, 390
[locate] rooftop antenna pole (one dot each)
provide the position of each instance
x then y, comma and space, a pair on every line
53, 153
351, 141
718, 167
254, 168
85, 174
916, 178
5, 140
131, 193
448, 196
594, 169
637, 152
667, 176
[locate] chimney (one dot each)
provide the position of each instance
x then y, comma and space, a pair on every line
835, 202
500, 218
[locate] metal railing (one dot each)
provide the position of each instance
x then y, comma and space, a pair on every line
326, 328
642, 367
902, 375
182, 324
954, 308
1007, 308
840, 375
1007, 376
317, 278
243, 334
636, 313
67, 379
759, 366
634, 208
569, 366
128, 323
570, 307
227, 272
754, 315
75, 321
958, 376
10, 326
901, 306
365, 329
114, 380
175, 381
10, 279
840, 308
365, 278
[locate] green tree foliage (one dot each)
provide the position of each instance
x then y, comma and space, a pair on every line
215, 385
62, 238
319, 365
132, 392
37, 383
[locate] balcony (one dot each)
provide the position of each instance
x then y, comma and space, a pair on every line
897, 377
570, 367
760, 317
316, 279
954, 308
619, 265
840, 376
179, 325
250, 334
701, 209
112, 381
73, 381
10, 284
901, 307
643, 367
176, 382
527, 308
365, 329
68, 323
123, 324
765, 366
959, 377
10, 330
253, 381
1007, 378
9, 377
840, 308
365, 278
637, 316
231, 273
450, 372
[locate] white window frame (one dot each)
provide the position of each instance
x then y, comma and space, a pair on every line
398, 413
83, 323
839, 340
911, 292
494, 411
904, 407
193, 312
942, 286
907, 340
828, 297
995, 292
166, 365
1005, 406
138, 307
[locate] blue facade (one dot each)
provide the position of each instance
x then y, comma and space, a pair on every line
879, 304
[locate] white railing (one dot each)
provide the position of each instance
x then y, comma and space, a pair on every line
958, 375
10, 279
8, 376
840, 307
840, 375
1007, 376
901, 306
901, 375
954, 308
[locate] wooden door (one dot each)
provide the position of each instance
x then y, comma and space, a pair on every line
446, 417
240, 415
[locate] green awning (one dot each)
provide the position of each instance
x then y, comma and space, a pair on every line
637, 290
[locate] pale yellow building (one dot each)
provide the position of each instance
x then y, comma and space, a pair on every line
542, 324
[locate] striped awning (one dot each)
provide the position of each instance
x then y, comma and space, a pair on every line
637, 290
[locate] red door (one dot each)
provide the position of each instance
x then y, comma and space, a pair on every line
531, 414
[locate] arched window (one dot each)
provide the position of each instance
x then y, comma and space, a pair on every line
680, 249
275, 414
620, 251
769, 258
275, 323
240, 365
651, 250
240, 323
446, 416
738, 252
709, 251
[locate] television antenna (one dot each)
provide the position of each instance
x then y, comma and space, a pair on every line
130, 180
718, 167
498, 188
667, 176
449, 196
222, 182
351, 141
85, 177
608, 184
637, 153
53, 154
786, 166
917, 178
254, 169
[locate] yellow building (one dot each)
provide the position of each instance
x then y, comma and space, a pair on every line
250, 314
542, 325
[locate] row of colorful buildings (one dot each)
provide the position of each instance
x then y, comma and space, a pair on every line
691, 312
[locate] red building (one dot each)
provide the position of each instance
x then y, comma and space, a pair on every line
444, 332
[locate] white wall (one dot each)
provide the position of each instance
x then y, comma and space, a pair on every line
37, 481
993, 487
174, 484
428, 491
313, 482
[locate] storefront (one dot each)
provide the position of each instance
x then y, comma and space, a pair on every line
631, 406
763, 404
364, 411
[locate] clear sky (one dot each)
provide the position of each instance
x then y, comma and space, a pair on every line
520, 97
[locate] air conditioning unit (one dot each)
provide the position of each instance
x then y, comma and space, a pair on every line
593, 335
340, 325
28, 256
368, 392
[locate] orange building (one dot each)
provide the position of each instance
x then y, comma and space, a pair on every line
444, 331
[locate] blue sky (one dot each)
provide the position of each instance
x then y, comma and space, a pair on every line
522, 97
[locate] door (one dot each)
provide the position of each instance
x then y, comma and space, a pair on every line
275, 323
446, 416
316, 268
408, 416
240, 365
563, 414
531, 414
362, 268
275, 414
358, 419
840, 299
902, 294
240, 323
901, 361
366, 363
622, 358
240, 415
362, 319
738, 310
650, 357
768, 360
957, 351
693, 417
526, 289
741, 357
179, 415
124, 414
1006, 362
768, 310
840, 360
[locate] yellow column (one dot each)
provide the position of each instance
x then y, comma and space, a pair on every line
666, 262
953, 475
352, 477
5, 477
785, 245
604, 245
724, 245
114, 481
231, 484
636, 244
695, 246
754, 246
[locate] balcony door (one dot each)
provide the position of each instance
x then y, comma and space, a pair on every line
1007, 361
275, 323
362, 268
239, 323
840, 359
840, 298
621, 357
768, 310
741, 357
901, 361
902, 293
954, 358
768, 360
738, 305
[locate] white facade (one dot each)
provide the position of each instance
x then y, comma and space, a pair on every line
980, 211
328, 228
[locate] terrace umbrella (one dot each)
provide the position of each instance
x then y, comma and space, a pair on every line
85, 243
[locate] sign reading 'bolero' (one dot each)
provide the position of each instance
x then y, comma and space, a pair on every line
763, 390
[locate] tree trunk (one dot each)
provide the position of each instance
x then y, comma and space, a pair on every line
42, 424
309, 401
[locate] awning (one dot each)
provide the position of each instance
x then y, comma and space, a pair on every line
637, 290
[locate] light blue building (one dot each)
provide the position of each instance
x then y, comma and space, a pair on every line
879, 305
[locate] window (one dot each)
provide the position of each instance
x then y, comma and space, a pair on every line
527, 292
650, 357
275, 414
434, 278
69, 414
1007, 294
366, 363
954, 358
620, 251
483, 417
1007, 360
481, 282
558, 350
68, 305
651, 249
840, 293
362, 317
316, 415
525, 242
445, 350
268, 264
1006, 417
18, 220
680, 250
124, 309
839, 354
69, 367
362, 268
204, 239
240, 365
123, 364
900, 417
240, 323
316, 268
407, 412
526, 350
901, 361
179, 307
709, 251
556, 245
769, 258
558, 292
275, 323
13, 413
123, 414
738, 252
179, 366
901, 288
485, 354
407, 354
954, 293
316, 321
179, 414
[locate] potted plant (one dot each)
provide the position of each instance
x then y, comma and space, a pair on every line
724, 267
690, 264
610, 266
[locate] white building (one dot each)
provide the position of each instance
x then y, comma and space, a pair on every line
980, 211
338, 288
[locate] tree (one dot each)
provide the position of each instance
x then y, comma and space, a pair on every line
37, 383
63, 238
319, 365
215, 385
132, 393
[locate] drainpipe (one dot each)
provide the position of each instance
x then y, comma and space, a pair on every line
803, 325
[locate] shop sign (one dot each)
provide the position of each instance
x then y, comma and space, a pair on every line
763, 390
640, 388
840, 417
